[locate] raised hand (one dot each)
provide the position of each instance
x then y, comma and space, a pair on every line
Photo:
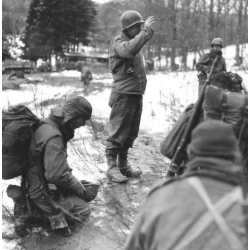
149, 22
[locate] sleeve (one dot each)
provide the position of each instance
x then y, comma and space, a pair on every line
129, 49
203, 64
57, 170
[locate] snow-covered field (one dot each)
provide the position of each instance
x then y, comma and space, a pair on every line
167, 94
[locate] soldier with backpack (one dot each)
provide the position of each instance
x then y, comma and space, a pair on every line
224, 99
51, 187
205, 207
205, 62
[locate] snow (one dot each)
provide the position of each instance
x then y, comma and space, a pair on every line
167, 94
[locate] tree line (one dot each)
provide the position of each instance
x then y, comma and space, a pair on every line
56, 26
182, 25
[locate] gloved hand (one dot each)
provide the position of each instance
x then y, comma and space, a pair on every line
79, 190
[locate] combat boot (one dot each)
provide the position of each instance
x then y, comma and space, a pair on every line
113, 173
125, 167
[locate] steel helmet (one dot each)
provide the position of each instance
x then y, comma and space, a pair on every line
218, 41
130, 18
92, 190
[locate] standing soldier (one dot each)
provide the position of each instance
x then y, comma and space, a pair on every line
127, 89
205, 62
86, 76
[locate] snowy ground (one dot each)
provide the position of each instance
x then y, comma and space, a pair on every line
167, 94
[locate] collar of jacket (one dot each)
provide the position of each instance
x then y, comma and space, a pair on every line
56, 116
54, 121
57, 123
213, 54
223, 169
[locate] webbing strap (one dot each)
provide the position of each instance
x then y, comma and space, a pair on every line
213, 214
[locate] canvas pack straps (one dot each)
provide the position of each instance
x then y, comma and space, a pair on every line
214, 214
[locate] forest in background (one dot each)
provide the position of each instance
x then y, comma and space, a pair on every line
54, 27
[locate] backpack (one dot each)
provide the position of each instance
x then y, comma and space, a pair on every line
229, 107
236, 81
17, 126
171, 143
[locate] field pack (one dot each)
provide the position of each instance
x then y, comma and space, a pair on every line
230, 107
236, 82
17, 126
171, 143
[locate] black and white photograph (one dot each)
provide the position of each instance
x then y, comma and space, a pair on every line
124, 125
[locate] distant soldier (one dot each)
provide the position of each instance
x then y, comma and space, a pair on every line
203, 209
204, 64
86, 76
129, 84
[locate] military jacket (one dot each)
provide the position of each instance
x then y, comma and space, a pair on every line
205, 63
192, 212
56, 168
126, 62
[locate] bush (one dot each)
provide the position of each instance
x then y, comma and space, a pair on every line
70, 66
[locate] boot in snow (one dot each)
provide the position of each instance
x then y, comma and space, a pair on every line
113, 173
125, 168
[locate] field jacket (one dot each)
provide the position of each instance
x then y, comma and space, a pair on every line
178, 214
205, 63
56, 168
126, 62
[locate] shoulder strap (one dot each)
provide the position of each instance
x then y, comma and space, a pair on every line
39, 154
215, 210
54, 206
45, 132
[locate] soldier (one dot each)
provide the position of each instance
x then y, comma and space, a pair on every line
224, 100
204, 64
126, 95
202, 209
63, 187
86, 76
